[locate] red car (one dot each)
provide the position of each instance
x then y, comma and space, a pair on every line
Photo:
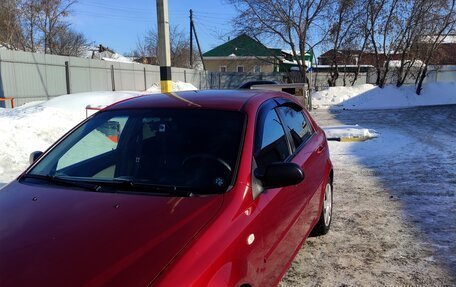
207, 188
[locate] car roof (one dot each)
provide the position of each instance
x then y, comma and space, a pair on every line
209, 99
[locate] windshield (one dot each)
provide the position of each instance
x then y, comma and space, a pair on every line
180, 148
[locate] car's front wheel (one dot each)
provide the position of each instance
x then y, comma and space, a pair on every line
324, 223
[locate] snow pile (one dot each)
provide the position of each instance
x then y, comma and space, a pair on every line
117, 58
35, 126
77, 103
176, 86
28, 129
368, 96
103, 53
349, 132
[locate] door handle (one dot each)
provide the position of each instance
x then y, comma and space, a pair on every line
320, 149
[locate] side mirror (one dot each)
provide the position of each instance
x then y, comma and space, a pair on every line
279, 174
34, 155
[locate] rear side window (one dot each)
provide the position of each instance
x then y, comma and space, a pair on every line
297, 125
273, 145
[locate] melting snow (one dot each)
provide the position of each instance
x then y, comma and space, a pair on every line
349, 132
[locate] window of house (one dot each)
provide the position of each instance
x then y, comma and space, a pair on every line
272, 142
222, 68
240, 68
257, 69
297, 125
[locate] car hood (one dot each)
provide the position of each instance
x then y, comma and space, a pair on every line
50, 236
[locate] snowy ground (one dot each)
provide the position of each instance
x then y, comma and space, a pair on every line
394, 218
36, 126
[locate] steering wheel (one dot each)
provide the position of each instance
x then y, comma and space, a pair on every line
206, 156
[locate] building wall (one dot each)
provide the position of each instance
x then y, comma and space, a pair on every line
231, 65
441, 74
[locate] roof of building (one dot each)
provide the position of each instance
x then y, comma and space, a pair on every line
242, 46
345, 52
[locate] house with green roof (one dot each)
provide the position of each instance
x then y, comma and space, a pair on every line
245, 54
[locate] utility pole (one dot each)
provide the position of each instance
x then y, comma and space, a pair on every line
164, 54
191, 38
192, 28
199, 49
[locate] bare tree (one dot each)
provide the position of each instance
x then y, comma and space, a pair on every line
39, 26
50, 20
342, 35
30, 12
362, 28
396, 29
441, 24
10, 29
67, 42
147, 46
381, 16
288, 22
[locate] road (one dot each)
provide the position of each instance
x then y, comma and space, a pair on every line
394, 218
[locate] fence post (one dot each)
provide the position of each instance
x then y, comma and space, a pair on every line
219, 74
145, 79
67, 77
113, 81
185, 76
212, 76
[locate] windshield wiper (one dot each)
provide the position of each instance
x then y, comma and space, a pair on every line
65, 181
152, 187
116, 183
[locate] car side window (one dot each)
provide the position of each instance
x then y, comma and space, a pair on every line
297, 125
273, 145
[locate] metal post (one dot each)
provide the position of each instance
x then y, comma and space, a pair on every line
113, 81
164, 54
67, 77
185, 76
191, 38
145, 79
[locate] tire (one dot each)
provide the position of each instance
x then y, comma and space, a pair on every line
324, 223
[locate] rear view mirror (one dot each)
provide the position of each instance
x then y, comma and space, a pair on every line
279, 174
34, 156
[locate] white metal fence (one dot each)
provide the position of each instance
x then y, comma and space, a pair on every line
29, 77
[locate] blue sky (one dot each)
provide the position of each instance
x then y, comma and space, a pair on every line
118, 24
